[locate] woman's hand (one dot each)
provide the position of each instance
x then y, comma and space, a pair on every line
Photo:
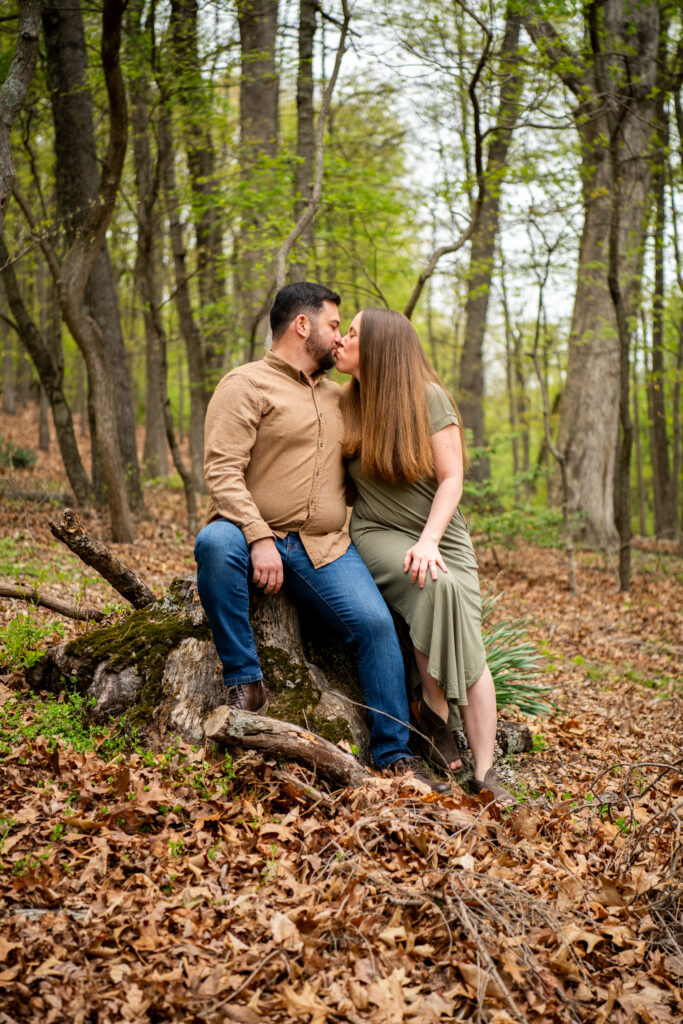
423, 556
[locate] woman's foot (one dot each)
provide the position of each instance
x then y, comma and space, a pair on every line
436, 740
501, 796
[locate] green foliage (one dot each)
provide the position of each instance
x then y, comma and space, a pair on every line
21, 638
16, 456
514, 662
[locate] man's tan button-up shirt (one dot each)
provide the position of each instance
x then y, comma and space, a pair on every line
272, 456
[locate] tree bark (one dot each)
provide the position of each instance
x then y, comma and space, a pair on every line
480, 275
13, 92
78, 182
259, 104
617, 76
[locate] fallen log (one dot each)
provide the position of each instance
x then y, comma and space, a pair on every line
98, 556
55, 604
283, 739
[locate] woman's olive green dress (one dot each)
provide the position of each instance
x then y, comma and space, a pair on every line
444, 618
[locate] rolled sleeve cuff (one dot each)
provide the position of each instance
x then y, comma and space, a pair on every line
257, 531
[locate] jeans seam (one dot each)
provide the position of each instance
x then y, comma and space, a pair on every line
241, 680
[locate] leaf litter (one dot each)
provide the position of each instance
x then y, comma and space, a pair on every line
178, 886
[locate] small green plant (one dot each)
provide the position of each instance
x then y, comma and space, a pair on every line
539, 743
20, 640
16, 456
176, 847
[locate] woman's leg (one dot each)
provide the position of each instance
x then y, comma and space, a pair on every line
481, 718
433, 696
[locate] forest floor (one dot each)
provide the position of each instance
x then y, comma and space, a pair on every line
167, 887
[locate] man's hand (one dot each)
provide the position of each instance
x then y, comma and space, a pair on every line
267, 565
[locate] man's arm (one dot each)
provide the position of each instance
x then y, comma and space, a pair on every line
232, 422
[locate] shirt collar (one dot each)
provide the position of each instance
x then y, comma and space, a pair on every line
280, 364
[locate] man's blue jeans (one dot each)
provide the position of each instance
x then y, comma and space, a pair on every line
343, 594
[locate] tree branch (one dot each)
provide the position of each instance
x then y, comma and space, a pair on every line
97, 555
53, 603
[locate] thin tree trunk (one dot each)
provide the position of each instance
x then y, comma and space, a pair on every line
471, 377
305, 144
259, 102
9, 404
665, 517
49, 363
155, 452
642, 524
189, 85
189, 328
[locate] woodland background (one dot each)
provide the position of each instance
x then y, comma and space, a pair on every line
510, 176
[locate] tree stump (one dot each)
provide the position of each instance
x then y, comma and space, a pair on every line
157, 669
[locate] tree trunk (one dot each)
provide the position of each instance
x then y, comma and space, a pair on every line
78, 178
155, 452
73, 275
471, 377
189, 328
48, 360
9, 403
189, 86
13, 92
305, 134
617, 78
259, 98
662, 483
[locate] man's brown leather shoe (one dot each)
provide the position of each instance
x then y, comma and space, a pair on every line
247, 696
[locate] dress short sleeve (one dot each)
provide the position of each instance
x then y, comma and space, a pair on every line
440, 408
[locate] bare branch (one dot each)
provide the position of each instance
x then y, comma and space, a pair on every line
55, 604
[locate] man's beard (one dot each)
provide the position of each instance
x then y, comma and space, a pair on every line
316, 349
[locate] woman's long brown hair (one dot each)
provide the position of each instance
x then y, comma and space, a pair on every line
386, 415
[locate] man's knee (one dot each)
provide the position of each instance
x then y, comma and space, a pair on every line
221, 547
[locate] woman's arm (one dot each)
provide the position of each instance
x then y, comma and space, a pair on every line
448, 470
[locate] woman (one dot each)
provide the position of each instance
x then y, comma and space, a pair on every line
406, 448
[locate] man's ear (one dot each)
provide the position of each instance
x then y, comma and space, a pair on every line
302, 325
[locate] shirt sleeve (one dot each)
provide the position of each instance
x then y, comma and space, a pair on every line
441, 408
232, 421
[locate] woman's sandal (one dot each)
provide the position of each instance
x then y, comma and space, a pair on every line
503, 797
436, 740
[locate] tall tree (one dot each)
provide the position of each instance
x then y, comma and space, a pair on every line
190, 88
73, 274
259, 106
480, 276
612, 77
78, 180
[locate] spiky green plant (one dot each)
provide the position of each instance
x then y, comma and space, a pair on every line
514, 662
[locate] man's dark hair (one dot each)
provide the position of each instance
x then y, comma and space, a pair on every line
300, 297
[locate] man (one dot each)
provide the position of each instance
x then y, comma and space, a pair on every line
274, 470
